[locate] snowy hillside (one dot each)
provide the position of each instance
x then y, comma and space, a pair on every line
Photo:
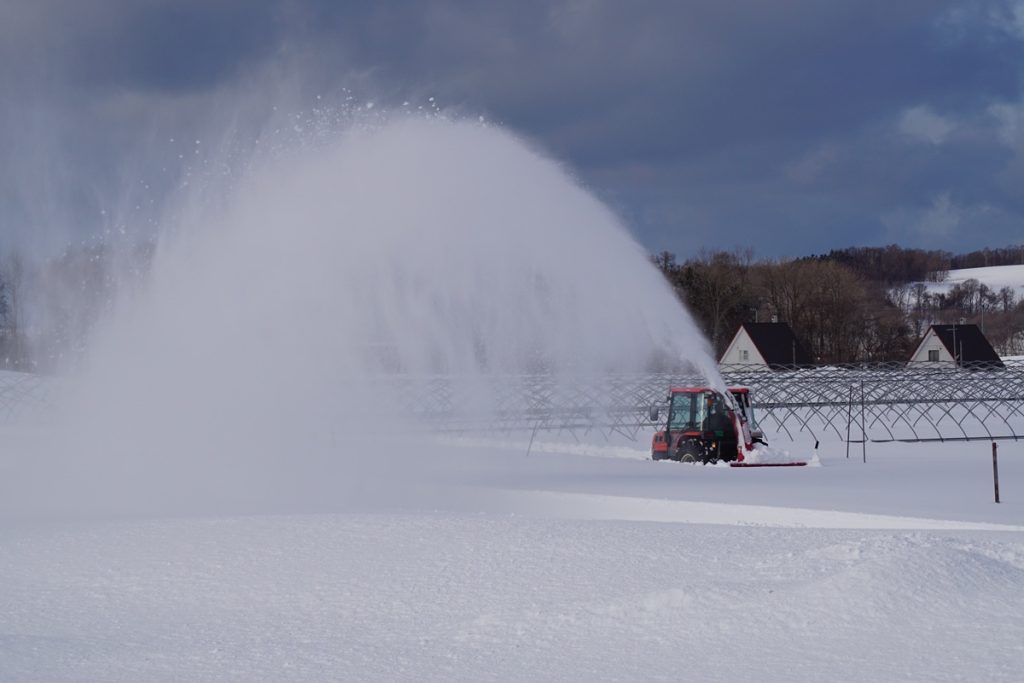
993, 277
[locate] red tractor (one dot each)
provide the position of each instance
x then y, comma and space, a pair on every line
706, 426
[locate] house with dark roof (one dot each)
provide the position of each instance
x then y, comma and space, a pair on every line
955, 345
765, 346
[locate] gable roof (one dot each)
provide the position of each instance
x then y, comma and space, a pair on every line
971, 346
777, 344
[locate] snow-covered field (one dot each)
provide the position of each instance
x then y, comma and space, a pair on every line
233, 491
993, 277
476, 563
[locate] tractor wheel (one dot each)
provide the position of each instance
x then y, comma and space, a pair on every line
689, 452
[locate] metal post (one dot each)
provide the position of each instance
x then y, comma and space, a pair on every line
849, 421
956, 364
995, 470
529, 446
863, 427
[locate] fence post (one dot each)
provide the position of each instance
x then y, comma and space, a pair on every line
995, 470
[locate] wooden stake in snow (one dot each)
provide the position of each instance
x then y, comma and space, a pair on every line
995, 470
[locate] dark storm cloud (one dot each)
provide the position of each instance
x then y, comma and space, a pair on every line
791, 126
175, 46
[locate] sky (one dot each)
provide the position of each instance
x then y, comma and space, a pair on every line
790, 127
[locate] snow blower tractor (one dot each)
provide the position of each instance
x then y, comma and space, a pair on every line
708, 426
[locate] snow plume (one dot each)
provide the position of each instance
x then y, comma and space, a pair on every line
291, 297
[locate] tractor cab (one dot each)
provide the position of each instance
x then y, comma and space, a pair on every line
703, 425
707, 426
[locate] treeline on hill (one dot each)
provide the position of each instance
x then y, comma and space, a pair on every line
893, 264
850, 305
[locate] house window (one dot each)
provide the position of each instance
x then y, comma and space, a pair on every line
933, 355
744, 355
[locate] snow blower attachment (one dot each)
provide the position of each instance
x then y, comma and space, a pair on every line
707, 426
